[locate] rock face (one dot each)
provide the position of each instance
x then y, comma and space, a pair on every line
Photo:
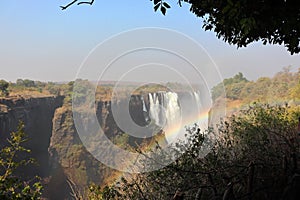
63, 162
62, 159
37, 115
70, 164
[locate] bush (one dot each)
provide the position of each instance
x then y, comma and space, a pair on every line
4, 88
253, 158
11, 186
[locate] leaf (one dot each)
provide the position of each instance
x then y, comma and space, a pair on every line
157, 1
163, 10
179, 3
166, 5
156, 7
208, 27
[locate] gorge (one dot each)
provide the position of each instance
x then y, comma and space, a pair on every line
63, 161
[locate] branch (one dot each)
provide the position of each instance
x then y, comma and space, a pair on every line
65, 7
179, 3
140, 190
75, 191
86, 2
79, 3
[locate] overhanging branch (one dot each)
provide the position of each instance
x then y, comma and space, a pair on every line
65, 7
79, 3
86, 2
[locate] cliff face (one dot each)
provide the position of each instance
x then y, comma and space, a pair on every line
54, 142
71, 164
37, 114
63, 162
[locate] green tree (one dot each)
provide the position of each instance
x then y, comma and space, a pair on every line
53, 88
281, 88
11, 186
4, 87
295, 92
68, 92
233, 87
260, 89
82, 90
28, 83
25, 83
243, 22
252, 158
20, 82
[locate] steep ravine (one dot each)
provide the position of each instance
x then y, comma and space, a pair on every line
71, 164
63, 161
55, 144
69, 161
37, 115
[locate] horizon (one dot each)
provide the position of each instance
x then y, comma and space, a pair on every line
290, 68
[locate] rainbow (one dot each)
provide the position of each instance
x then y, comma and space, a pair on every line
179, 130
174, 132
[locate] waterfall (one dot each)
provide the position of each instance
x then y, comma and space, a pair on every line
197, 96
197, 100
145, 111
173, 112
144, 105
164, 108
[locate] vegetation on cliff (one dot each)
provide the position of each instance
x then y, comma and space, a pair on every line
283, 87
12, 159
254, 157
4, 88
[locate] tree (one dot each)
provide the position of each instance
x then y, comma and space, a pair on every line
28, 83
233, 87
25, 83
11, 186
253, 158
4, 87
243, 22
53, 88
295, 92
20, 82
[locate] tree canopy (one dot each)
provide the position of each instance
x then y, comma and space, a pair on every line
241, 22
4, 87
284, 86
254, 157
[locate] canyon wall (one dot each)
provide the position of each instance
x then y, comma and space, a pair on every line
37, 115
63, 162
54, 143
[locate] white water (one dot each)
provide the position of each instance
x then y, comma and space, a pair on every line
166, 110
144, 105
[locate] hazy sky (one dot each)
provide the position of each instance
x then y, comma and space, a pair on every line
40, 41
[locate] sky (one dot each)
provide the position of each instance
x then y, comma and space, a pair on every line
39, 41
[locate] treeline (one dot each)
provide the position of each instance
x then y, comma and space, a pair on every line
22, 85
31, 87
284, 86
